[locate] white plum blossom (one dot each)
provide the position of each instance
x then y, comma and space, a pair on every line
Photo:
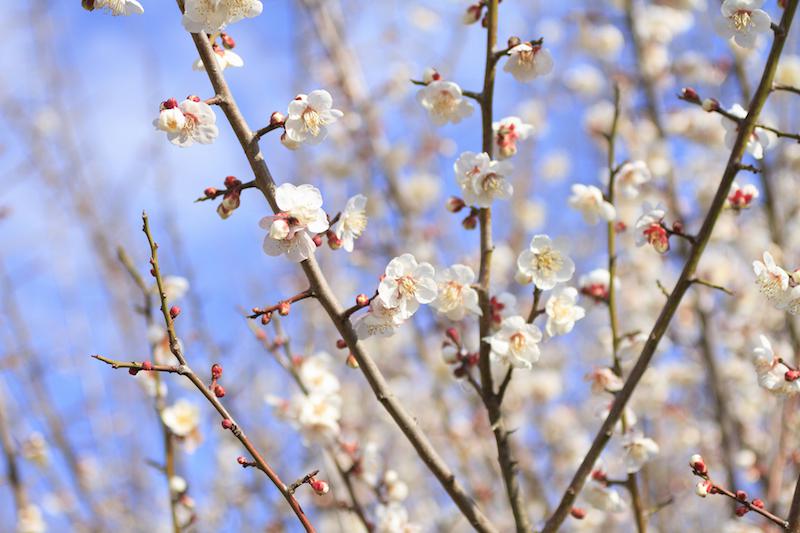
740, 197
638, 450
309, 116
396, 488
744, 21
544, 264
595, 284
759, 140
118, 7
317, 415
516, 343
407, 284
456, 295
191, 121
506, 133
444, 102
604, 380
182, 418
481, 179
175, 287
393, 518
301, 216
630, 177
210, 16
562, 311
601, 496
589, 200
527, 61
774, 282
316, 377
352, 222
650, 228
225, 58
774, 375
379, 320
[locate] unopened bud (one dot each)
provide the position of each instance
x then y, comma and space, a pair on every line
210, 192
758, 502
471, 222
690, 94
227, 423
333, 241
219, 391
276, 118
697, 464
147, 365
742, 510
174, 311
265, 318
709, 104
430, 75
216, 370
514, 41
741, 495
133, 371
341, 344
454, 204
193, 98
472, 14
231, 182
227, 41
453, 335
320, 487
317, 241
577, 513
620, 226
223, 211
791, 375
362, 300
170, 103
703, 488
352, 362
241, 460
284, 308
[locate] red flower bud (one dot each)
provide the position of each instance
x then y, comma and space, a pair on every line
216, 370
791, 375
241, 460
319, 486
219, 391
169, 104
133, 371
352, 362
577, 513
174, 311
210, 192
741, 495
758, 502
317, 241
193, 98
227, 423
147, 365
742, 510
453, 335
341, 344
362, 300
265, 318
471, 222
284, 308
690, 94
276, 118
227, 41
231, 182
454, 204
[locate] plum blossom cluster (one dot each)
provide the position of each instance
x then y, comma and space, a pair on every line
231, 196
188, 122
443, 100
301, 218
781, 288
741, 197
483, 180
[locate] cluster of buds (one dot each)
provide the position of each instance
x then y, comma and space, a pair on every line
705, 487
230, 196
690, 95
457, 355
455, 204
146, 366
496, 308
216, 388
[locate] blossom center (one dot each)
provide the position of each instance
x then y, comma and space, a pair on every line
742, 19
517, 342
491, 182
548, 261
406, 286
312, 121
445, 103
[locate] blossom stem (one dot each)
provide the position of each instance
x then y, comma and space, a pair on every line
718, 489
684, 281
217, 194
266, 129
407, 423
259, 311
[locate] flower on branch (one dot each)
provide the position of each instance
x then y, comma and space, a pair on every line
211, 16
186, 123
759, 140
544, 264
631, 176
290, 231
777, 285
527, 61
638, 450
456, 296
562, 311
481, 179
516, 343
116, 7
444, 102
589, 200
352, 222
595, 284
742, 20
225, 58
773, 374
309, 117
506, 134
407, 284
741, 197
650, 228
379, 320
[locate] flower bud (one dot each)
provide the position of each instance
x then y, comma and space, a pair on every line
193, 98
362, 300
174, 311
333, 241
170, 103
351, 361
227, 423
514, 41
283, 308
147, 365
210, 192
741, 495
219, 391
231, 182
216, 370
241, 460
710, 104
231, 200
577, 513
690, 95
341, 344
453, 335
319, 486
703, 488
471, 222
227, 41
317, 240
791, 375
133, 371
758, 502
454, 204
223, 211
266, 318
430, 75
697, 464
279, 229
276, 118
472, 14
742, 510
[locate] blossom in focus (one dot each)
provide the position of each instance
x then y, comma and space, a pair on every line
116, 7
527, 61
444, 102
775, 284
225, 58
379, 320
481, 179
352, 222
544, 264
191, 121
638, 450
301, 216
506, 133
741, 197
744, 21
562, 311
589, 200
516, 343
182, 417
309, 116
456, 296
407, 284
650, 228
759, 140
211, 16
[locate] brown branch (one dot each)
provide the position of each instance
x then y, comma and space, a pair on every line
319, 284
684, 281
260, 311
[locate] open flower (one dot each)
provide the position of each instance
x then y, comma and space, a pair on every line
189, 122
650, 228
379, 320
444, 102
590, 202
741, 197
317, 415
759, 140
117, 7
743, 21
604, 380
527, 61
544, 264
562, 311
309, 117
600, 496
301, 216
773, 374
407, 284
516, 343
631, 176
506, 134
210, 16
456, 296
481, 179
225, 58
182, 417
352, 222
638, 450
